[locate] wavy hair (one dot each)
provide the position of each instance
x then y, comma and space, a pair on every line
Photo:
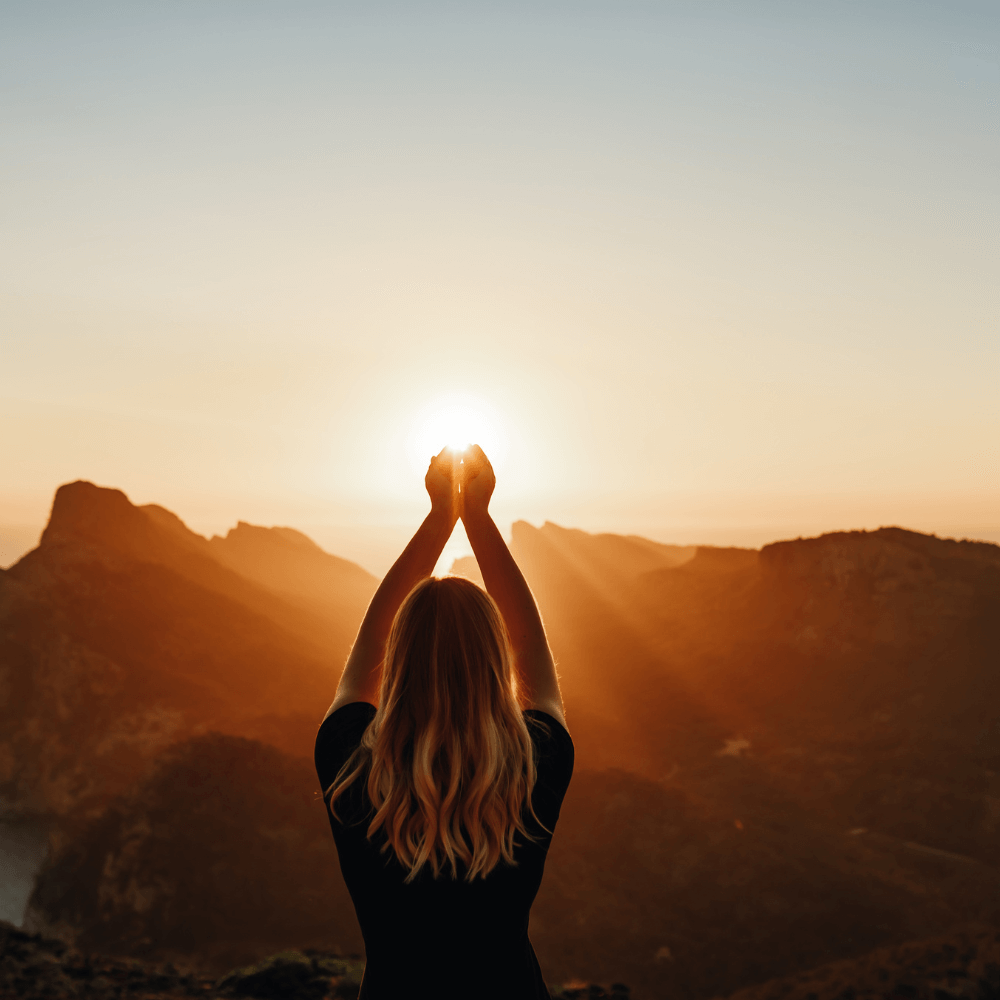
448, 758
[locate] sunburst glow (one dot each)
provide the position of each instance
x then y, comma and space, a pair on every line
456, 422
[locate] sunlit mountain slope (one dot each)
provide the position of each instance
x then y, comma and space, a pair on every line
859, 671
122, 634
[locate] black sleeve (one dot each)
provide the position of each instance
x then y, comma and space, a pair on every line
554, 754
339, 737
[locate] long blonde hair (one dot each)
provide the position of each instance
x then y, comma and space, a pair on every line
449, 761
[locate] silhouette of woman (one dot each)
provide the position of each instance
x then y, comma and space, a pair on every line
444, 760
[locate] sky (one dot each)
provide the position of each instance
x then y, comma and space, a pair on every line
719, 272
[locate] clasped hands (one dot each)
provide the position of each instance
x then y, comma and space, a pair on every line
460, 483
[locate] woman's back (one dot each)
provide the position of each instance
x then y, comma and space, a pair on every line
452, 935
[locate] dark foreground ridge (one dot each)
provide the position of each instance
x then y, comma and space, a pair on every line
33, 967
964, 965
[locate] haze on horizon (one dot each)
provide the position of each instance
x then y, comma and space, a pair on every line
720, 273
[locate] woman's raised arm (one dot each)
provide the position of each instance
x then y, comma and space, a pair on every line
363, 671
536, 671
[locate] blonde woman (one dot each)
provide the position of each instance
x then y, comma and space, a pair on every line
444, 760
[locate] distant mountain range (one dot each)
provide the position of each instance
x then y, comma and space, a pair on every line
785, 758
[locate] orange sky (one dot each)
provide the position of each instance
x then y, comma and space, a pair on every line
723, 276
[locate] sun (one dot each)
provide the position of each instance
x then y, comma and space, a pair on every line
456, 422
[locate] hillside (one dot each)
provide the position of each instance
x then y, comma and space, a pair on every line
122, 634
831, 702
223, 852
293, 565
859, 671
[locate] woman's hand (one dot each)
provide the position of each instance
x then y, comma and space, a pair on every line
478, 481
442, 481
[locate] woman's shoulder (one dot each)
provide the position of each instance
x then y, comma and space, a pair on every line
554, 765
546, 726
553, 743
348, 713
339, 736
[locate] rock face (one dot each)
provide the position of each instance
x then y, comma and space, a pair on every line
223, 852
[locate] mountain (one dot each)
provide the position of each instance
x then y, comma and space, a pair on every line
605, 558
292, 564
785, 758
123, 633
634, 713
609, 559
863, 668
836, 699
468, 567
858, 670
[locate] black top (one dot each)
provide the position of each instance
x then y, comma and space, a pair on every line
446, 936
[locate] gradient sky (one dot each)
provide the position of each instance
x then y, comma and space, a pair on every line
719, 272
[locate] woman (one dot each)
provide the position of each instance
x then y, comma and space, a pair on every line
444, 760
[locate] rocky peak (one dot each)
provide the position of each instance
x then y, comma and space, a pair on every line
100, 516
288, 561
248, 534
611, 557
